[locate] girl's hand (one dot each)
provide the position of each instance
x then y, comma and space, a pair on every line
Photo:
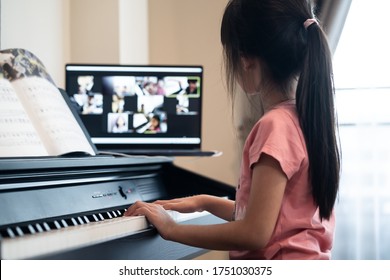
183, 205
155, 214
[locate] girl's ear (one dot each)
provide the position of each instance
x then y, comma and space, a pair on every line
248, 63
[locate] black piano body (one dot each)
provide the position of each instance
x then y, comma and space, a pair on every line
70, 208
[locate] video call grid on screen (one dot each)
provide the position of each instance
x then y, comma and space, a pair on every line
138, 106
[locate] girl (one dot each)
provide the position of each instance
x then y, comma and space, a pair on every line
290, 166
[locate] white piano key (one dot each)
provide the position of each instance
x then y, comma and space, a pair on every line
95, 218
19, 231
10, 232
74, 222
114, 214
64, 223
71, 237
86, 219
109, 215
38, 227
46, 226
80, 220
57, 224
101, 217
31, 229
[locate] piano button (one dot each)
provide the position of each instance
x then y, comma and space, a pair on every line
101, 217
74, 222
10, 232
80, 220
31, 229
46, 226
86, 219
114, 214
38, 227
19, 231
64, 223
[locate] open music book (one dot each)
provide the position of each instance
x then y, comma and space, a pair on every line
35, 117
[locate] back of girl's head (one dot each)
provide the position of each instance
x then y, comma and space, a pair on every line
273, 31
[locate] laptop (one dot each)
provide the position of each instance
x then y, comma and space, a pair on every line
151, 110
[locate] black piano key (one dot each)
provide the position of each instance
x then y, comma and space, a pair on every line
24, 229
56, 224
70, 222
91, 218
53, 225
13, 232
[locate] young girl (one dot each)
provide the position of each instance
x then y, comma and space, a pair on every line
290, 166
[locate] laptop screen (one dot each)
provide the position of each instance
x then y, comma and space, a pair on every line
138, 107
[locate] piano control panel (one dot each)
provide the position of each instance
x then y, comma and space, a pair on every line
36, 203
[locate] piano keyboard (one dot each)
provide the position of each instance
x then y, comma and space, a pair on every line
39, 239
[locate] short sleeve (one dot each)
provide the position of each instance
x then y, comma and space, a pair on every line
278, 135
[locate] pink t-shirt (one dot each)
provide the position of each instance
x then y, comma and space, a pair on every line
299, 232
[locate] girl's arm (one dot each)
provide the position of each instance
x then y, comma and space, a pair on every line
218, 206
250, 233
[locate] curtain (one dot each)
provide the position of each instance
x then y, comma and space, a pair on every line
332, 14
362, 98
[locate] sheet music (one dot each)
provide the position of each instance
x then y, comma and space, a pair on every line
18, 136
51, 116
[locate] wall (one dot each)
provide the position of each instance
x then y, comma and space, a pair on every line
188, 32
133, 32
41, 26
115, 31
94, 31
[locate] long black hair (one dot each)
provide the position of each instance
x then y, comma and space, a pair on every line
274, 32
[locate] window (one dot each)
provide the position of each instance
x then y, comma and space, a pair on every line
362, 80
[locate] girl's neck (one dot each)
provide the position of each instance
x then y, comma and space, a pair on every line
270, 100
275, 96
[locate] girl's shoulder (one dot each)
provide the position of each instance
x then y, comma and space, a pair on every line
284, 113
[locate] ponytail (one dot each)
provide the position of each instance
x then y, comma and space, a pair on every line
315, 106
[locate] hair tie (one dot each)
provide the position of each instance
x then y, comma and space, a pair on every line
309, 22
